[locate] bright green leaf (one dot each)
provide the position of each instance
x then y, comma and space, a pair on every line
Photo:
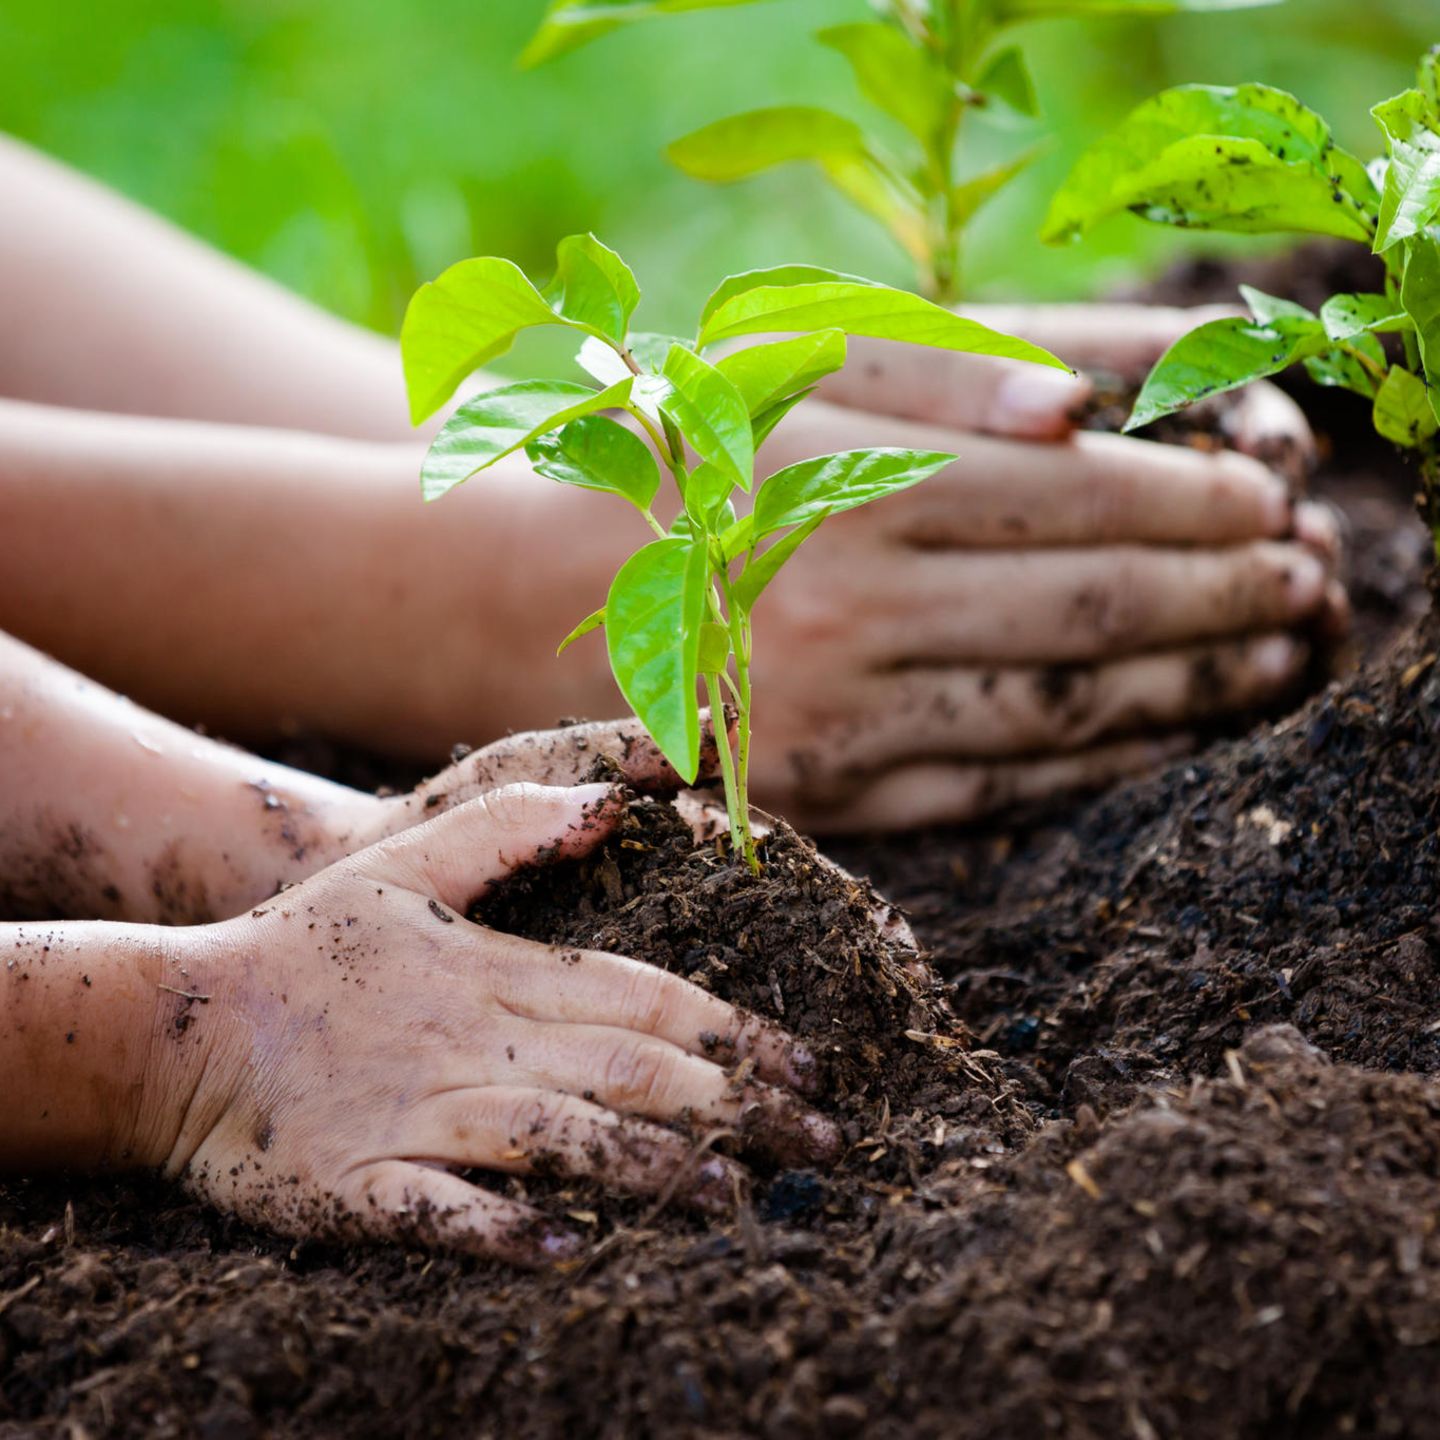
743, 145
495, 424
894, 73
1402, 409
1344, 368
1420, 294
1006, 77
1266, 308
458, 322
765, 422
593, 621
597, 453
714, 652
1345, 316
763, 568
734, 285
707, 489
711, 415
1220, 356
765, 374
649, 351
862, 309
568, 24
593, 286
652, 630
831, 483
1411, 197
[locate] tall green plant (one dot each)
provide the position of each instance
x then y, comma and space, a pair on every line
926, 64
679, 611
1253, 159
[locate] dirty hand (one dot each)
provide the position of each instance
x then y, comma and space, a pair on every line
361, 1042
1057, 609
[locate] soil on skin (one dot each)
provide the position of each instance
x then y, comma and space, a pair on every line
1164, 1160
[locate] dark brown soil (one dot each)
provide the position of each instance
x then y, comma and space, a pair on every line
1112, 1198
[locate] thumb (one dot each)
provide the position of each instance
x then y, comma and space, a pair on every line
458, 856
964, 392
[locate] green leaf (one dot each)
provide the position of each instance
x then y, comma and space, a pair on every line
1342, 369
1250, 159
711, 414
593, 621
568, 24
458, 322
597, 453
861, 309
714, 654
734, 285
1402, 409
707, 491
1428, 75
493, 425
1345, 316
744, 145
832, 483
1266, 308
1410, 200
1220, 356
763, 568
895, 74
1012, 11
1420, 294
971, 194
765, 374
765, 422
1006, 77
649, 351
652, 630
593, 286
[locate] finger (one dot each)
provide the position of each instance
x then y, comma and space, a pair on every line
400, 1200
566, 757
1058, 607
633, 1074
1337, 617
1118, 338
939, 794
524, 1131
1265, 422
456, 857
965, 392
1318, 525
556, 983
1000, 714
1095, 490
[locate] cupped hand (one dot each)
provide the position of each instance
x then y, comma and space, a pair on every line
361, 1044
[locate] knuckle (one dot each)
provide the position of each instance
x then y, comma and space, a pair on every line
649, 1000
635, 1076
509, 805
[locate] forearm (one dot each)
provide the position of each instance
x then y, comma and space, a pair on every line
255, 579
110, 811
95, 1026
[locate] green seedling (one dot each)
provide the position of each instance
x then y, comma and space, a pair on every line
926, 65
679, 610
1254, 160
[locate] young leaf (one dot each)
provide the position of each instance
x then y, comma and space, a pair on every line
492, 425
894, 74
734, 285
454, 324
765, 374
707, 491
1248, 158
649, 351
765, 422
568, 24
652, 630
870, 183
1006, 78
593, 621
1411, 197
763, 568
971, 194
859, 309
593, 286
1343, 369
711, 415
743, 145
1220, 356
832, 483
714, 651
1266, 308
1402, 409
1345, 316
598, 454
1420, 294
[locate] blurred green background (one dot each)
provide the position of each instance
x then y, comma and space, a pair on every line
351, 148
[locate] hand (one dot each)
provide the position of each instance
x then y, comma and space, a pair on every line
361, 1041
1055, 611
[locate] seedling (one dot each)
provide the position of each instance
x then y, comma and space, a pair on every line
1254, 159
926, 64
679, 610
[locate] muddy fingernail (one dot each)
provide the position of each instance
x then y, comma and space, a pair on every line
1036, 400
802, 1070
1304, 583
822, 1136
714, 1188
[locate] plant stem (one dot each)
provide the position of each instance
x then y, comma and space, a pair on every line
737, 810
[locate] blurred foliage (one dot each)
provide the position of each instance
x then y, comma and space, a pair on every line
352, 148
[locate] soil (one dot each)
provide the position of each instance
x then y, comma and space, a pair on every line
1160, 1159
